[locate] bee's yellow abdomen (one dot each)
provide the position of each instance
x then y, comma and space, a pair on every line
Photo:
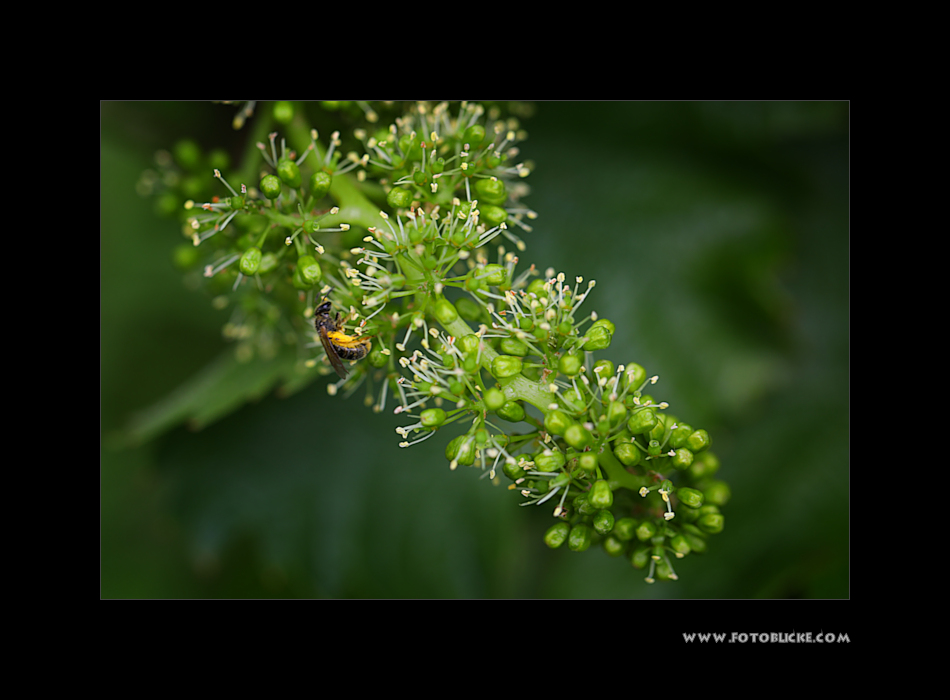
346, 341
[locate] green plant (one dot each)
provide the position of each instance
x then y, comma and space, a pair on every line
411, 224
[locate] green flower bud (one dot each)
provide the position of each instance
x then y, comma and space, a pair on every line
712, 523
703, 465
605, 323
492, 215
289, 173
603, 521
579, 538
474, 135
491, 191
696, 538
219, 158
513, 346
309, 269
513, 471
536, 287
299, 281
642, 421
468, 344
634, 375
627, 454
680, 434
494, 398
556, 535
444, 312
432, 417
560, 480
399, 198
270, 186
320, 184
659, 430
698, 441
557, 422
549, 461
616, 413
570, 364
410, 146
464, 209
682, 458
451, 450
505, 366
600, 495
640, 557
645, 531
377, 358
468, 309
192, 187
494, 274
283, 112
187, 154
583, 506
686, 514
466, 452
690, 497
680, 545
236, 203
269, 263
577, 436
167, 204
250, 261
625, 529
512, 411
613, 546
597, 338
186, 256
717, 492
587, 461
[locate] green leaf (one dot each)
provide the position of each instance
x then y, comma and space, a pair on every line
220, 388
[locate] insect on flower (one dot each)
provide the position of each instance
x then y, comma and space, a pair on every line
338, 345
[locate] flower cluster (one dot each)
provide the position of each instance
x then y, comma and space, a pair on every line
413, 232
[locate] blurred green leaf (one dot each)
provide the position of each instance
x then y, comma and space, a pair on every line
222, 387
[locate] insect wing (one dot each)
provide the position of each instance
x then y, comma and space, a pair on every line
331, 354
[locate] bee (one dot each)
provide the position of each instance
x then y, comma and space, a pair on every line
338, 345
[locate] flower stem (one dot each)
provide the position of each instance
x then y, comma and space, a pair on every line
616, 472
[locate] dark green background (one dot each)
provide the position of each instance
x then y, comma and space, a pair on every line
718, 234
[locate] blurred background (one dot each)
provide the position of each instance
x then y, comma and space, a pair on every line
718, 234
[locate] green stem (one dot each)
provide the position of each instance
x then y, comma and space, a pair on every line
355, 207
616, 472
517, 388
